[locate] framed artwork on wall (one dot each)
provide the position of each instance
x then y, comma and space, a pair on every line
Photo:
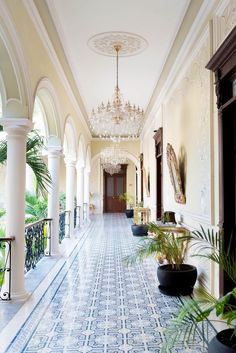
175, 174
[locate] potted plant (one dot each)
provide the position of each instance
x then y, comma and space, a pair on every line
203, 305
129, 199
169, 248
138, 227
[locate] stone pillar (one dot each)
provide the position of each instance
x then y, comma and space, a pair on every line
86, 191
17, 129
54, 154
70, 190
139, 184
80, 189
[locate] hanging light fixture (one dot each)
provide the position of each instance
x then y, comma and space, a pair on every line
111, 168
111, 159
117, 120
113, 155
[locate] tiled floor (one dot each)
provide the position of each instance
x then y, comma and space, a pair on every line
98, 305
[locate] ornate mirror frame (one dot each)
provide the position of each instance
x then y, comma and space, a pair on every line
175, 174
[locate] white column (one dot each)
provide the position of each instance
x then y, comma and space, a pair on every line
86, 191
54, 154
70, 190
139, 184
17, 130
80, 189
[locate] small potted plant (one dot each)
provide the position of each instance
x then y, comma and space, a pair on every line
169, 248
129, 200
203, 305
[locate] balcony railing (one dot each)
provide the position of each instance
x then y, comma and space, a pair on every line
85, 211
64, 225
5, 268
77, 216
37, 242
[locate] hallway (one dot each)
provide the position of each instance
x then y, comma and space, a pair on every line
96, 304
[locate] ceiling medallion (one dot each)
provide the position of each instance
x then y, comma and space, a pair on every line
130, 43
118, 119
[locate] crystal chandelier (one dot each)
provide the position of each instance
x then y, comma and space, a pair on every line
118, 120
111, 168
113, 155
112, 158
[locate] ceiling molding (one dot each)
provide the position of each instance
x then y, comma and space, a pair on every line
43, 34
193, 33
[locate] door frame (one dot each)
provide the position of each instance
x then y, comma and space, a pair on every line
223, 65
158, 137
105, 174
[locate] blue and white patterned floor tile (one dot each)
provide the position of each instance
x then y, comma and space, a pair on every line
96, 304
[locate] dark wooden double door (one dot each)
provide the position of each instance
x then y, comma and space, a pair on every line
114, 185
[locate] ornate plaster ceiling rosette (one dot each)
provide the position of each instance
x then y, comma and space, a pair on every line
130, 43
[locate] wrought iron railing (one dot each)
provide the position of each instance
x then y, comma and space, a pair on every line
37, 242
5, 268
64, 225
77, 216
85, 211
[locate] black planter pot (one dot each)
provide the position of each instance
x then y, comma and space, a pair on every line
139, 229
221, 343
129, 213
177, 282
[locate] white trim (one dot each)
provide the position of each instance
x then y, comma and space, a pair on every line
35, 17
17, 59
3, 94
45, 85
184, 50
67, 51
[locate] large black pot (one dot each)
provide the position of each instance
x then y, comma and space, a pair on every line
129, 213
221, 343
139, 229
176, 282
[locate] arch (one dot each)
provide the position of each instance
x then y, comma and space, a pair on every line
14, 74
88, 159
81, 151
47, 98
69, 140
2, 97
129, 155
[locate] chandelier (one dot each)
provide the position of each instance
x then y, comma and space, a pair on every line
112, 158
111, 168
113, 155
117, 120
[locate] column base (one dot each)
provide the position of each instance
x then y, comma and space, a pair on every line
20, 297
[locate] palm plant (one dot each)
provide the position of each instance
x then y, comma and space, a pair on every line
34, 159
35, 207
164, 246
207, 244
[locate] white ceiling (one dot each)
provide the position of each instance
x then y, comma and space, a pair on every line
157, 21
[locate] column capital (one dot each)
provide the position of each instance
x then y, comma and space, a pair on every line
79, 167
16, 126
54, 151
70, 162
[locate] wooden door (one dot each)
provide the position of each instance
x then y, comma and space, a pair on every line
158, 152
114, 185
223, 65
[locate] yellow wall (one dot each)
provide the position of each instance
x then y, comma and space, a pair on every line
40, 64
186, 109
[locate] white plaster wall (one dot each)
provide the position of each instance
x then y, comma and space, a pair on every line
149, 162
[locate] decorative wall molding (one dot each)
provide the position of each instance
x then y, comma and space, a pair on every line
224, 21
183, 54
